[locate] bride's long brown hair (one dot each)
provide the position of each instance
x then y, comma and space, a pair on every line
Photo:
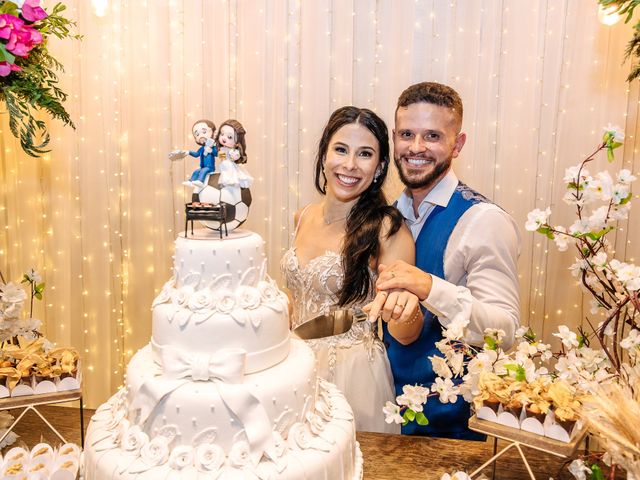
362, 231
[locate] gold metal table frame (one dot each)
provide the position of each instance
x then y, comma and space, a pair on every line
521, 438
30, 402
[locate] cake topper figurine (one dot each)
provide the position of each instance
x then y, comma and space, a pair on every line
221, 196
203, 133
232, 152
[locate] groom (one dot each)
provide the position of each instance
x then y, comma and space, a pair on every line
466, 250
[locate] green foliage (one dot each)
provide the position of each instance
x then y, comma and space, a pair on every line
9, 7
490, 343
626, 9
547, 231
36, 288
35, 87
421, 419
409, 416
581, 341
596, 473
519, 372
6, 56
595, 236
530, 336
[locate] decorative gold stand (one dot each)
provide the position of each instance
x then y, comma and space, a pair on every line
521, 438
29, 402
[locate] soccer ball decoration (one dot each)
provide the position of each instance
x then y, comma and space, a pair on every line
237, 201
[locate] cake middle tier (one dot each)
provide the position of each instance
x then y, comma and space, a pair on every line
255, 323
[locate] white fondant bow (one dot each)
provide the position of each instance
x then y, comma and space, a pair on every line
226, 369
227, 365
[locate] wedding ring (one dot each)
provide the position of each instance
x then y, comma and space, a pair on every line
393, 275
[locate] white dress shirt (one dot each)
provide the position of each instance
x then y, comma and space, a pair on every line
480, 264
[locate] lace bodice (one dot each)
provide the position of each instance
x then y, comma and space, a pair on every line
315, 288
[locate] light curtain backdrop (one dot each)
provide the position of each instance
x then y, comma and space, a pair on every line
99, 214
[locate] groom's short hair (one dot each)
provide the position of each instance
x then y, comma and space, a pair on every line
434, 93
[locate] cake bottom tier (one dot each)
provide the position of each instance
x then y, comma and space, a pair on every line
316, 441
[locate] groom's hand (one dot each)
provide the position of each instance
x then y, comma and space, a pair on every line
401, 275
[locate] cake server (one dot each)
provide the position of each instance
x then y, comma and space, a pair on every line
335, 322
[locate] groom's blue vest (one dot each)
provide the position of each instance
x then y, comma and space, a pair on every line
410, 363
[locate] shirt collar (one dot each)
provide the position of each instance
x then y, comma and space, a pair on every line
439, 195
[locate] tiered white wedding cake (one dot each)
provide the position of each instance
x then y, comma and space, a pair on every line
222, 391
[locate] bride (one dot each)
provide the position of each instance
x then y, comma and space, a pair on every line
336, 250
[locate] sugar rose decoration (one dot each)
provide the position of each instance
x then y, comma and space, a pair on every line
181, 457
240, 454
248, 297
209, 457
134, 439
224, 300
201, 300
155, 452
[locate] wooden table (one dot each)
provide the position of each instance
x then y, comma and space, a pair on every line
400, 457
386, 457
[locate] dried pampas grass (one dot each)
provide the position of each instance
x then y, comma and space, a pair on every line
613, 415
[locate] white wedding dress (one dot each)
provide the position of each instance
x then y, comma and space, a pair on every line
355, 361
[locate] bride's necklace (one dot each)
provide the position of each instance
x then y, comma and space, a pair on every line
328, 220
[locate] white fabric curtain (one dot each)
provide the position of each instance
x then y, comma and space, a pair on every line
98, 215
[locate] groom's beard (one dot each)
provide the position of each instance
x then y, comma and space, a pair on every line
421, 177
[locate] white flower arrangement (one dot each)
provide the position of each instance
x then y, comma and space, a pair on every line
12, 299
595, 375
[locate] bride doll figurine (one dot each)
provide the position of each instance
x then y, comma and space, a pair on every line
231, 153
203, 132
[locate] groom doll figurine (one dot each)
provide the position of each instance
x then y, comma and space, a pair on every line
203, 133
466, 250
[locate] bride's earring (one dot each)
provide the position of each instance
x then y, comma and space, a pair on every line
377, 175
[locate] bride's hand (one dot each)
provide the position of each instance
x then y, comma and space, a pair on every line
399, 306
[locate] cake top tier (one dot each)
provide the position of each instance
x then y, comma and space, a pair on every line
205, 260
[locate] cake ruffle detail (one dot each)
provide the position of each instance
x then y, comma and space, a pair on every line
141, 453
189, 303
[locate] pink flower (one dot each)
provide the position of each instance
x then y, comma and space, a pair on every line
21, 38
8, 24
6, 68
32, 11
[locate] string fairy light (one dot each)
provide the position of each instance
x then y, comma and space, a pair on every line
100, 7
608, 15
